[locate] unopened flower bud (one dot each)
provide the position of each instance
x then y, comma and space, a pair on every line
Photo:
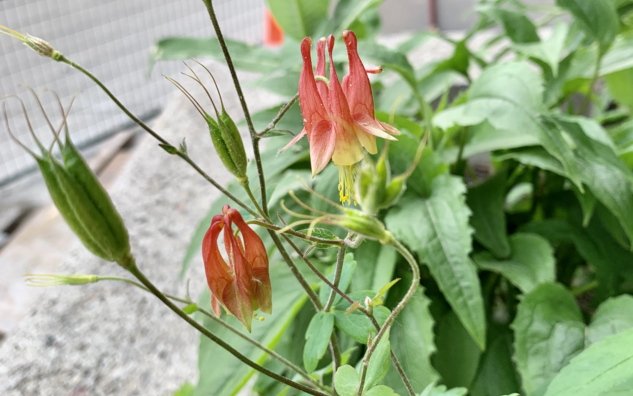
365, 225
41, 47
46, 280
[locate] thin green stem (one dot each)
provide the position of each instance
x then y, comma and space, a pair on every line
414, 285
156, 136
265, 224
280, 115
240, 94
131, 266
247, 188
224, 324
577, 291
340, 258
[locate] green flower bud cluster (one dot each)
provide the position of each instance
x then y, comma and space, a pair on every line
375, 189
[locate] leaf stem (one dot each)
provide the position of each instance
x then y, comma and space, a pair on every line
240, 94
131, 266
340, 258
224, 324
279, 116
156, 136
414, 285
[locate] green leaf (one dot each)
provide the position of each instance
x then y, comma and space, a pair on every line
378, 363
349, 266
516, 24
356, 324
412, 341
612, 317
488, 220
437, 229
346, 381
185, 390
380, 390
441, 390
317, 339
620, 86
289, 181
348, 11
379, 297
323, 234
606, 175
596, 17
299, 18
532, 262
191, 308
549, 51
600, 370
457, 354
459, 61
496, 374
510, 97
244, 56
376, 262
549, 331
232, 375
387, 58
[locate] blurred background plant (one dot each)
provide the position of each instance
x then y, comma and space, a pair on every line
520, 210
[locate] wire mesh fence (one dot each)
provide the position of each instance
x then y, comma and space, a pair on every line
110, 38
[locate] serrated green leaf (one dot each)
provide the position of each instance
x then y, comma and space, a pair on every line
596, 17
357, 325
441, 390
488, 219
380, 390
600, 370
532, 262
612, 317
317, 339
437, 229
547, 317
510, 97
323, 234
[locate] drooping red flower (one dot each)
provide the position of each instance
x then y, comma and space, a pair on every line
338, 120
243, 285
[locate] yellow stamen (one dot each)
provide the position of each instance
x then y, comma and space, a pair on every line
261, 319
346, 176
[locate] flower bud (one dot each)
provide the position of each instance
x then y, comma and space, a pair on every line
228, 148
41, 47
365, 225
46, 280
394, 191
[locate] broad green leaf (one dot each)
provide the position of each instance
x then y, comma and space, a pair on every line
412, 341
348, 11
549, 51
244, 56
185, 390
510, 97
599, 370
606, 175
516, 24
488, 220
289, 181
612, 317
349, 266
380, 390
532, 262
620, 86
587, 202
227, 378
437, 229
387, 58
459, 61
317, 339
496, 374
346, 381
441, 390
597, 18
457, 355
378, 362
299, 18
549, 331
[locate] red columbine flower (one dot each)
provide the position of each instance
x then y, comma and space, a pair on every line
243, 285
338, 120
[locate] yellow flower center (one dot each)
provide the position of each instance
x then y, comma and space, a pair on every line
346, 176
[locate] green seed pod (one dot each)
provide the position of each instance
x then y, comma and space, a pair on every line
237, 145
365, 225
76, 165
230, 148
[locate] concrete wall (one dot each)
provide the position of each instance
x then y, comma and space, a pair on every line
407, 15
